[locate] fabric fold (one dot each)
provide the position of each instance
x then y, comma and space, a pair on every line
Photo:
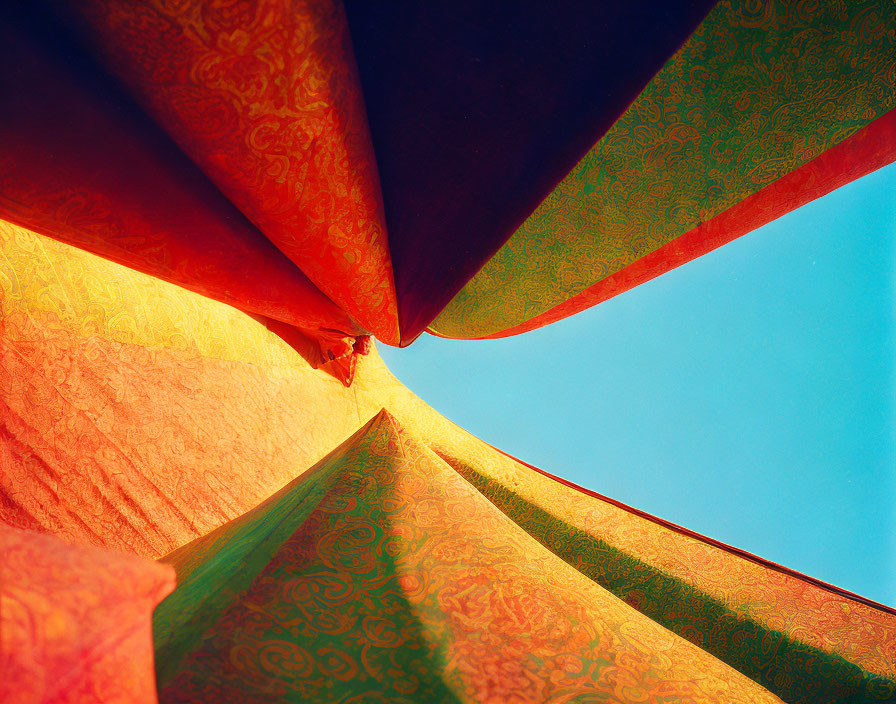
79, 162
264, 97
75, 622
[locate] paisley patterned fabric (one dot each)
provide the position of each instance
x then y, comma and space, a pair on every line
107, 180
224, 146
264, 97
801, 641
385, 576
759, 90
170, 391
414, 561
137, 415
75, 622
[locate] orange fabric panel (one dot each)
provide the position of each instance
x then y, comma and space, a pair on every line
75, 622
106, 179
137, 415
265, 98
145, 426
385, 576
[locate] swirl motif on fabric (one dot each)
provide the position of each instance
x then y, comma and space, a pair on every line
758, 90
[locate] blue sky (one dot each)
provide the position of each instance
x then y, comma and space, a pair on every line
748, 395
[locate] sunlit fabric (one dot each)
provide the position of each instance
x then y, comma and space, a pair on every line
384, 572
164, 428
766, 106
197, 209
137, 415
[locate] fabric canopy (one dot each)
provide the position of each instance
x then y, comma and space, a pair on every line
208, 207
381, 168
145, 418
767, 106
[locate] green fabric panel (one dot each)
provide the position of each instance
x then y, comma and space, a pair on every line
208, 611
224, 563
760, 89
795, 672
395, 580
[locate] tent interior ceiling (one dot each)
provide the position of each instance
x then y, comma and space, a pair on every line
474, 169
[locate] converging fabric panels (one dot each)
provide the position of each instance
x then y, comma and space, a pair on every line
211, 487
474, 170
325, 547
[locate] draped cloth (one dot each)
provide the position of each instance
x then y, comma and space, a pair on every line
76, 621
326, 547
477, 171
765, 107
207, 208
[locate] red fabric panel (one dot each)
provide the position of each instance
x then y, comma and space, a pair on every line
76, 622
264, 97
82, 165
870, 149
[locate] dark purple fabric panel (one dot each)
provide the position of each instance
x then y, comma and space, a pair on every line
478, 109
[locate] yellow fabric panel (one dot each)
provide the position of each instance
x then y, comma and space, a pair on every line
140, 416
137, 415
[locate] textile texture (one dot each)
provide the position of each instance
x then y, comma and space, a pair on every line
108, 180
194, 254
164, 428
75, 622
264, 97
758, 91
